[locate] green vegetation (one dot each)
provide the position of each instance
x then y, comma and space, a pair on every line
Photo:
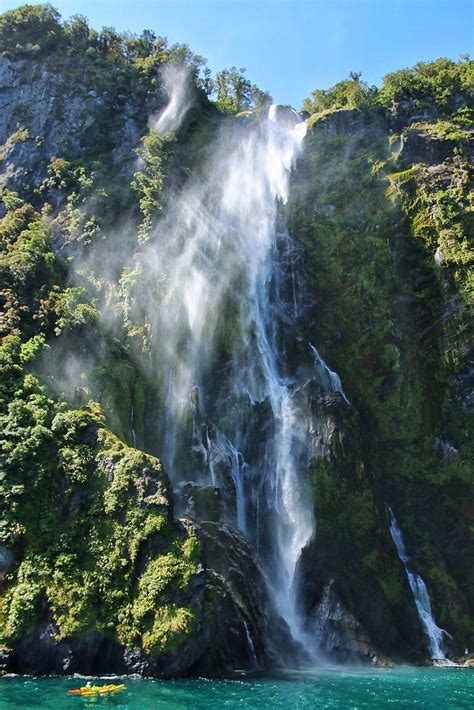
388, 261
439, 207
37, 31
235, 93
384, 263
79, 508
100, 504
31, 27
17, 137
437, 86
150, 182
351, 93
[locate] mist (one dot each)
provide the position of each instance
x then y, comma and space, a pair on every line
179, 90
207, 287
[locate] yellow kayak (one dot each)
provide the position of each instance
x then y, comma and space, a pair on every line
96, 689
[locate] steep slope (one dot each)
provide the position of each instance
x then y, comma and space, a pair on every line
383, 222
334, 381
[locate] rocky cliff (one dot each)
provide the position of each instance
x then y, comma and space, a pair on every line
384, 225
103, 566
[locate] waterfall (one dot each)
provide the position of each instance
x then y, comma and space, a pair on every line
251, 645
217, 315
433, 632
132, 427
237, 467
327, 376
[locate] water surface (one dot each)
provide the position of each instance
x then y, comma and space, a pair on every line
418, 688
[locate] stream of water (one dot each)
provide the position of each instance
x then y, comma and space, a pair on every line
434, 634
221, 249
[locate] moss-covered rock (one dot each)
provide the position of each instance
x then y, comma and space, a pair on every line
387, 297
96, 572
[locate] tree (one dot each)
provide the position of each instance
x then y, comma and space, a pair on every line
207, 82
30, 25
442, 84
150, 183
235, 92
350, 93
79, 33
110, 43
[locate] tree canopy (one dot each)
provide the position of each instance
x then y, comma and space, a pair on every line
442, 85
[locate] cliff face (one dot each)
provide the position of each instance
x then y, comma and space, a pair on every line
374, 212
96, 572
64, 106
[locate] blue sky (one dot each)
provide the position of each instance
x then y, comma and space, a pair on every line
290, 47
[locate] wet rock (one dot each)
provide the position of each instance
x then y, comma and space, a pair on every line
349, 122
5, 654
404, 113
338, 589
251, 619
40, 653
338, 633
198, 502
286, 115
6, 560
237, 625
466, 660
445, 450
420, 147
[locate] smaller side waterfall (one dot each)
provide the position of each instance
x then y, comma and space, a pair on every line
420, 593
237, 466
329, 378
132, 427
251, 645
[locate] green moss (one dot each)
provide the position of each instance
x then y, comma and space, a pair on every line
171, 626
322, 114
19, 604
104, 510
161, 626
445, 130
395, 326
104, 553
18, 137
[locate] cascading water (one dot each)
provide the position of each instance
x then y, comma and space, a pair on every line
434, 634
132, 427
231, 398
328, 376
251, 645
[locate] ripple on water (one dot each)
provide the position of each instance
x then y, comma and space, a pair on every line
374, 689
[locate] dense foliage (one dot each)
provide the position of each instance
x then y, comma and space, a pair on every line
387, 243
76, 531
37, 29
381, 214
442, 87
235, 93
350, 93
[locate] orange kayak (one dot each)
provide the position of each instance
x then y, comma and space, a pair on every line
96, 689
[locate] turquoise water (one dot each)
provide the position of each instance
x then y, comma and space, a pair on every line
433, 688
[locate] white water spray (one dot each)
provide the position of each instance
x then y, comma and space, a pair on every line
434, 633
215, 329
176, 82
